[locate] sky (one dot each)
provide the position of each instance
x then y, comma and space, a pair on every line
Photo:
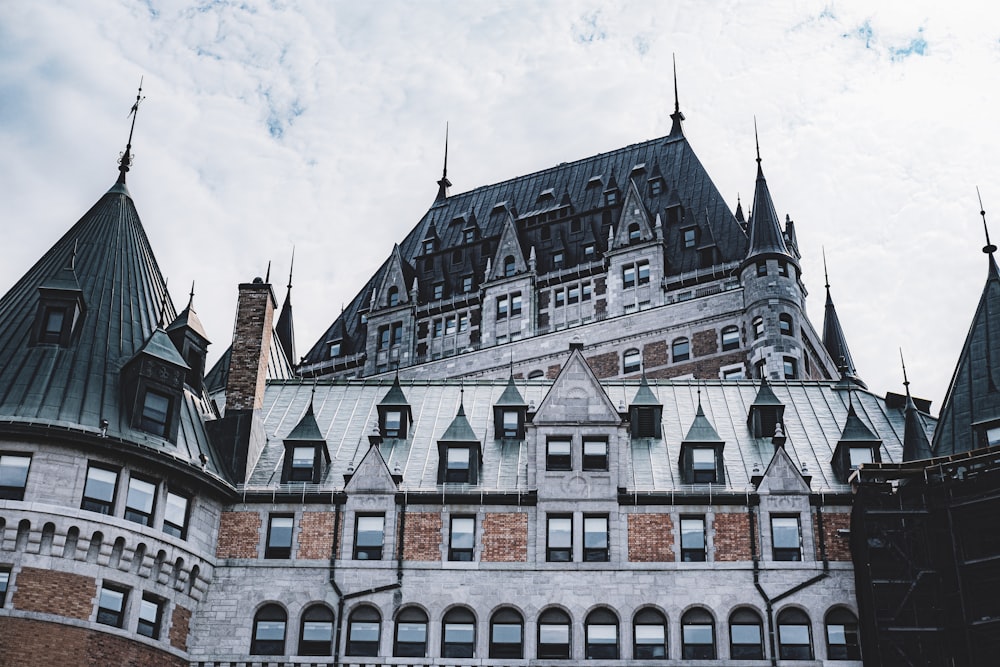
320, 125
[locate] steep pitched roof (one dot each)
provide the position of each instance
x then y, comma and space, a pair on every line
459, 430
125, 296
855, 430
835, 341
701, 429
687, 185
284, 329
511, 396
973, 396
916, 446
766, 236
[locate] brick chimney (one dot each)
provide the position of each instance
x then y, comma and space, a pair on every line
239, 436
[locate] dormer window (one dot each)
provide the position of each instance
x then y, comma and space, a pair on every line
155, 416
333, 349
703, 465
469, 234
511, 426
393, 297
303, 462
428, 246
645, 422
60, 307
859, 456
557, 260
393, 423
509, 414
438, 291
610, 197
690, 237
509, 266
52, 325
589, 250
467, 284
655, 187
634, 233
457, 465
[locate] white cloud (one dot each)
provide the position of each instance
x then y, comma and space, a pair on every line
320, 125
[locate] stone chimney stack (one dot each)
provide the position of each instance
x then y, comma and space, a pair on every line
239, 436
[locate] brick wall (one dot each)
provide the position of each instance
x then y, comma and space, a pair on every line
650, 538
732, 536
702, 369
422, 537
838, 547
316, 535
552, 371
505, 537
605, 365
250, 349
52, 592
239, 535
704, 343
30, 643
180, 624
655, 354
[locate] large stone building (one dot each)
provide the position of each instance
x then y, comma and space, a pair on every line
503, 480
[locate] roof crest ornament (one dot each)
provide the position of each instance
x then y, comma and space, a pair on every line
444, 183
826, 276
756, 139
906, 381
677, 116
989, 248
291, 267
191, 296
125, 161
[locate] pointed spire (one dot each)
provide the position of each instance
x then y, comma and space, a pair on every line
916, 446
701, 429
459, 430
285, 328
444, 183
834, 339
766, 236
989, 248
676, 131
125, 162
739, 210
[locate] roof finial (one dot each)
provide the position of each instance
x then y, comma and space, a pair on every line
444, 183
906, 381
126, 159
267, 276
675, 128
826, 276
291, 266
755, 138
989, 248
191, 296
677, 103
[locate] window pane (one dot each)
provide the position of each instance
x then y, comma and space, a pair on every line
860, 455
506, 633
785, 532
697, 634
602, 634
745, 634
459, 633
370, 531
835, 634
317, 631
703, 458
793, 634
463, 533
411, 632
140, 496
14, 470
595, 448
595, 532
561, 532
458, 457
100, 484
553, 634
176, 510
281, 532
692, 533
364, 631
270, 630
155, 408
649, 634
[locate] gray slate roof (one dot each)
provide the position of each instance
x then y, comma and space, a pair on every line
124, 292
766, 237
815, 415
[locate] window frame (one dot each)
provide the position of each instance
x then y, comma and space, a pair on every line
790, 368
598, 551
109, 615
363, 615
731, 343
595, 461
95, 504
454, 471
466, 550
698, 618
5, 576
680, 349
785, 325
745, 618
320, 615
701, 473
274, 551
269, 613
786, 553
9, 491
697, 553
144, 518
602, 617
560, 651
150, 419
798, 650
368, 551
628, 276
171, 527
506, 617
647, 650
150, 627
558, 461
850, 648
631, 361
463, 620
410, 616
561, 553
509, 266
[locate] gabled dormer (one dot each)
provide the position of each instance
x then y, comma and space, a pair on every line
152, 385
460, 455
576, 396
431, 242
766, 412
60, 309
509, 414
701, 460
394, 413
189, 337
782, 477
393, 290
306, 451
634, 225
508, 261
655, 184
645, 413
857, 446
372, 475
612, 193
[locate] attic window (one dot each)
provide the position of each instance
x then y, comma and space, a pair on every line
690, 237
428, 246
333, 349
655, 187
303, 463
469, 234
393, 298
155, 416
589, 250
644, 422
547, 194
703, 465
457, 466
52, 325
610, 197
509, 266
859, 456
392, 423
594, 182
499, 206
634, 233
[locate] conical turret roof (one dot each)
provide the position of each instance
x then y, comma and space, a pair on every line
701, 429
835, 341
766, 236
459, 430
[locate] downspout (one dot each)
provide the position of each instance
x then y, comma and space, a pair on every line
336, 589
400, 541
760, 589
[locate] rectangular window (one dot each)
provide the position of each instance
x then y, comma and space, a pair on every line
4, 583
279, 537
628, 277
502, 307
393, 418
558, 454
732, 374
111, 605
303, 460
13, 475
761, 269
595, 539
457, 465
643, 271
99, 490
463, 538
438, 330
515, 304
463, 322
783, 268
140, 501
693, 539
790, 368
428, 246
175, 515
703, 465
52, 325
383, 338
573, 294
689, 236
369, 532
469, 235
397, 333
860, 455
467, 284
655, 187
589, 250
438, 291
560, 539
510, 423
560, 298
449, 326
786, 538
150, 615
730, 338
586, 292
334, 349
595, 454
557, 260
155, 413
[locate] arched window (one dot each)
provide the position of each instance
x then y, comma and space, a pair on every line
316, 635
794, 635
411, 633
507, 634
534, 375
458, 638
842, 635
649, 628
746, 639
632, 364
509, 266
785, 324
363, 631
730, 338
681, 349
553, 635
269, 631
633, 233
393, 298
602, 635
697, 635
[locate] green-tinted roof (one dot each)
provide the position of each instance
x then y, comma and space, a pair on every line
511, 396
701, 429
459, 430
